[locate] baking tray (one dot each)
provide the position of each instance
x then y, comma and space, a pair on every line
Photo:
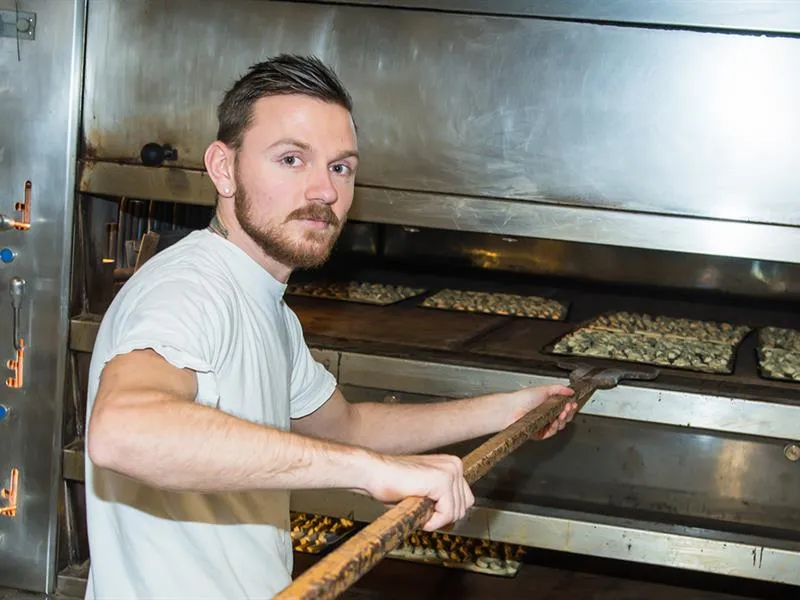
768, 348
313, 534
362, 292
457, 552
659, 345
469, 298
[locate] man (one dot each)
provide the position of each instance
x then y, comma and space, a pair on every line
205, 404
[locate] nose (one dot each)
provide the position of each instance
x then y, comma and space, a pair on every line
320, 187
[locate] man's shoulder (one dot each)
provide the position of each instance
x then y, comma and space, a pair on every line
184, 275
188, 261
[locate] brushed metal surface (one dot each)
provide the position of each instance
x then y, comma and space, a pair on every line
647, 120
73, 462
749, 15
72, 581
580, 224
153, 183
616, 467
674, 233
646, 404
83, 332
624, 539
601, 264
39, 105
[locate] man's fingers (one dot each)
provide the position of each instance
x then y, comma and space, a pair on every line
440, 518
560, 390
470, 497
458, 500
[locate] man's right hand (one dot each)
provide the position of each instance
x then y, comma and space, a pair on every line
438, 477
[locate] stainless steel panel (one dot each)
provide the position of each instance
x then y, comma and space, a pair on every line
328, 359
18, 24
646, 404
40, 96
72, 581
749, 15
83, 332
447, 249
137, 181
73, 466
646, 120
465, 213
623, 539
615, 467
589, 225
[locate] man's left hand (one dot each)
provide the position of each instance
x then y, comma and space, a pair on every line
526, 399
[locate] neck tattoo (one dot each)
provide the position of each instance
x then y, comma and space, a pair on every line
217, 226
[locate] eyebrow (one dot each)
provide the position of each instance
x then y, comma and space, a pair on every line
305, 146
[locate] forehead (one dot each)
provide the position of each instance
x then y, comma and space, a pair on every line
306, 119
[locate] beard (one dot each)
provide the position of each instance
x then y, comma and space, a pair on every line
312, 249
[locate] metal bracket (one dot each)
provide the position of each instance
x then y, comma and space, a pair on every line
17, 365
10, 494
24, 207
18, 24
17, 287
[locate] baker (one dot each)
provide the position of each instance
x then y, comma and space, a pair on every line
205, 405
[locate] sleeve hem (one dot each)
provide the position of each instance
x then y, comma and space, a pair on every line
320, 398
176, 357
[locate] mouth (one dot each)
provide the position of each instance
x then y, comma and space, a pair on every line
316, 223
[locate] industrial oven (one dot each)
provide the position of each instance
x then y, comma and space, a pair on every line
539, 182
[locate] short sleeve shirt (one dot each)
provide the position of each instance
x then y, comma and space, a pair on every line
205, 305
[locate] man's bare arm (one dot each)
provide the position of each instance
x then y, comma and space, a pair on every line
145, 425
409, 428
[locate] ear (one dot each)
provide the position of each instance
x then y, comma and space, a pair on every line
220, 165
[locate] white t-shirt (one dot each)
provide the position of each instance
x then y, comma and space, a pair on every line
205, 305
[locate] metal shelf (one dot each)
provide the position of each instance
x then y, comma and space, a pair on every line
707, 412
630, 229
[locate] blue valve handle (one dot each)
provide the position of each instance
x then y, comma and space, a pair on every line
7, 255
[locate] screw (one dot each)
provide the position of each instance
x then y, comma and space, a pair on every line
792, 452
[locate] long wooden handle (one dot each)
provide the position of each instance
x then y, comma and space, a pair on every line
332, 575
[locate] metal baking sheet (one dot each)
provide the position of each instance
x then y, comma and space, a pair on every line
457, 552
495, 303
778, 352
357, 291
677, 343
313, 534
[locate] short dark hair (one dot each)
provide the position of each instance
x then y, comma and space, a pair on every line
281, 75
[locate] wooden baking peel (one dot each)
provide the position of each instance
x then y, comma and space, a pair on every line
332, 575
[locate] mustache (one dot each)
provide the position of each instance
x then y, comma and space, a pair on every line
316, 212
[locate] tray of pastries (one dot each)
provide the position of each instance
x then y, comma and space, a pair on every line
778, 351
356, 291
312, 533
704, 346
515, 305
457, 552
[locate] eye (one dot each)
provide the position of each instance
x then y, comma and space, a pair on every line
342, 169
291, 161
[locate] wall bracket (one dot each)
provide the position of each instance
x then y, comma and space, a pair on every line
10, 495
18, 24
